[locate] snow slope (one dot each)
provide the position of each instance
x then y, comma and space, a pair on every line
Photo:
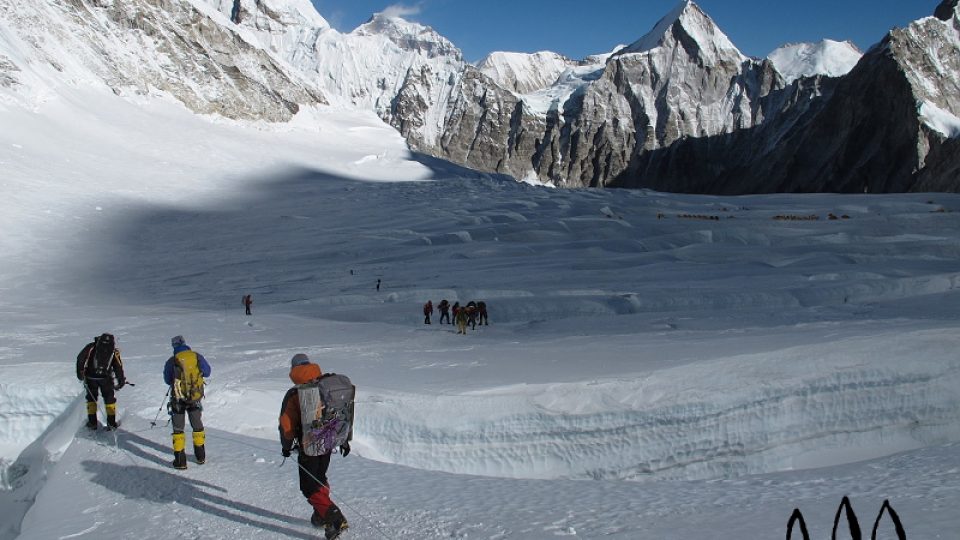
522, 72
656, 366
828, 57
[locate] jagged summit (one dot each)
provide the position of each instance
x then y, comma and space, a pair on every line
690, 27
409, 35
828, 57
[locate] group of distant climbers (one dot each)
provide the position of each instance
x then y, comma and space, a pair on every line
471, 315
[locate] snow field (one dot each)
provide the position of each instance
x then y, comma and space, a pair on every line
724, 361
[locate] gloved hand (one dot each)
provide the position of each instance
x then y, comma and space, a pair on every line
345, 449
285, 452
120, 384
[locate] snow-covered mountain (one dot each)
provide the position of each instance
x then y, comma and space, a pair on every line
888, 125
683, 79
828, 57
402, 70
133, 48
680, 109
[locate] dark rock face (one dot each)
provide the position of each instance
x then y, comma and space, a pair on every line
849, 147
859, 133
484, 127
945, 11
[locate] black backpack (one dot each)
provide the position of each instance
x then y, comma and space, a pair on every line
100, 358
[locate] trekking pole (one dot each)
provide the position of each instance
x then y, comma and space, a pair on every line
162, 403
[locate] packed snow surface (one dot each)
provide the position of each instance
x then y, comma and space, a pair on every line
656, 366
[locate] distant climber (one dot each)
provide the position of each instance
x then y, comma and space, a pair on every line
247, 302
471, 310
461, 319
482, 313
427, 312
444, 308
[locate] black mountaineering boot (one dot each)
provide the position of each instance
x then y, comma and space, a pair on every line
199, 450
317, 520
180, 460
179, 454
335, 523
112, 422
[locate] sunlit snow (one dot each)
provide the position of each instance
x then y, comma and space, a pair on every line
942, 121
828, 57
656, 367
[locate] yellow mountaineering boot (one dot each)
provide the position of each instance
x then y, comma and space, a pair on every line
199, 451
179, 455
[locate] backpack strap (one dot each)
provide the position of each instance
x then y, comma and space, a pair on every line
91, 349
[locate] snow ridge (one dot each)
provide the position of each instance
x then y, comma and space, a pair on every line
524, 73
27, 410
648, 436
828, 57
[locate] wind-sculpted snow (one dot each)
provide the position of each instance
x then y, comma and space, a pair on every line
806, 264
779, 412
29, 402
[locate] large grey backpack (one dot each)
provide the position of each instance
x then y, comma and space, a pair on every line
326, 413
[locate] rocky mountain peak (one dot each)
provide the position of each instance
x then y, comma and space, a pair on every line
690, 27
409, 36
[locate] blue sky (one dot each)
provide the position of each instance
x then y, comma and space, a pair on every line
577, 28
